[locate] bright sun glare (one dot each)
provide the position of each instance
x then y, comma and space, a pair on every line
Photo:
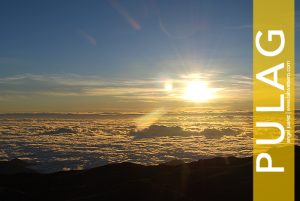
197, 91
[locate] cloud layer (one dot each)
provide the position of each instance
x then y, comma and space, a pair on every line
165, 131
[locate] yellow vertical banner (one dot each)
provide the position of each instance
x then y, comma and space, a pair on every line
273, 100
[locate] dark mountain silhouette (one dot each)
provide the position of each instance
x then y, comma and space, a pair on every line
15, 166
214, 179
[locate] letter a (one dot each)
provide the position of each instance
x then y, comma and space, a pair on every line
261, 76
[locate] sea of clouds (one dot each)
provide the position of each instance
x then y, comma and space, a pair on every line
54, 142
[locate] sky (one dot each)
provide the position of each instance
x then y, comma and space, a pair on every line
121, 56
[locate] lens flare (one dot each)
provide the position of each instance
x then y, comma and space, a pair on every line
168, 86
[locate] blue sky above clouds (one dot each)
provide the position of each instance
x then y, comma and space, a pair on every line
112, 55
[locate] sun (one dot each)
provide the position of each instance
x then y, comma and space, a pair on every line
198, 91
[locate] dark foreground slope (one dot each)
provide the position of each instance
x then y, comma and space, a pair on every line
205, 180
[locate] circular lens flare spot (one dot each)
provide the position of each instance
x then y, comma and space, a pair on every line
168, 86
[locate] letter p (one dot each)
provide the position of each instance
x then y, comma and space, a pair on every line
269, 167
